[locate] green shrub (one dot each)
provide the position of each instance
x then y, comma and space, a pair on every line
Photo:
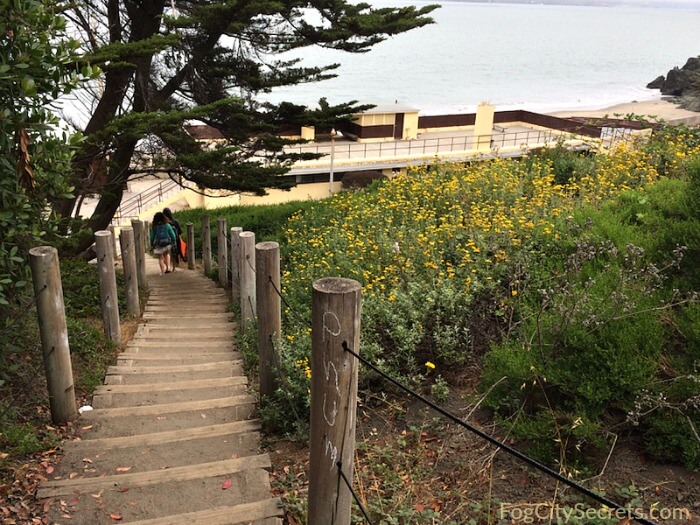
266, 221
81, 288
91, 353
671, 436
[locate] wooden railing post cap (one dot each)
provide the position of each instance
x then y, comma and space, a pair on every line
42, 251
336, 285
247, 234
267, 245
103, 233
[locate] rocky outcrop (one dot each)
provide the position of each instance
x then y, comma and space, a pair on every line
679, 81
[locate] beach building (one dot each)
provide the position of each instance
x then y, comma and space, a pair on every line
387, 139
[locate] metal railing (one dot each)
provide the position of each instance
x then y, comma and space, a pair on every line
145, 200
429, 146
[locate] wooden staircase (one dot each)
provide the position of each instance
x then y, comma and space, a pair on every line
170, 439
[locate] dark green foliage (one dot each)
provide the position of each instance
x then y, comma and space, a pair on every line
567, 165
609, 331
91, 353
672, 436
81, 288
36, 66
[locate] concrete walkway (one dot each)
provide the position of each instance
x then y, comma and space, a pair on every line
170, 439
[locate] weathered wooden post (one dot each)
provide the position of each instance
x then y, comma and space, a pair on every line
335, 317
235, 260
222, 251
267, 286
140, 236
146, 237
246, 266
108, 285
190, 247
206, 244
113, 231
131, 281
54, 333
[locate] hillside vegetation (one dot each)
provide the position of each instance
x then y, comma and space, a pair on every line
565, 284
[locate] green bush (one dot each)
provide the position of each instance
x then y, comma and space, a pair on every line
81, 288
608, 324
91, 353
266, 221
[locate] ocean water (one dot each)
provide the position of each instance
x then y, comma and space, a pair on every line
517, 56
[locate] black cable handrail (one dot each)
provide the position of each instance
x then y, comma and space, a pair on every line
352, 491
25, 310
631, 513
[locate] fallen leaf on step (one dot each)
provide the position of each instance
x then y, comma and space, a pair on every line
73, 502
204, 416
49, 469
87, 427
97, 496
72, 475
115, 516
123, 489
123, 469
87, 460
226, 484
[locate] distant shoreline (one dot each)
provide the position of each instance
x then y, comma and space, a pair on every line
653, 109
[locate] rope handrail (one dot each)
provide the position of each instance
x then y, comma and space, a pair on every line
631, 513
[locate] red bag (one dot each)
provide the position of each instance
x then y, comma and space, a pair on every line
182, 246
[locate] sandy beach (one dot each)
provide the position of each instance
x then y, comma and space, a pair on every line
652, 109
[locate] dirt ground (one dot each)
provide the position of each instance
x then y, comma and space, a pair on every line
414, 468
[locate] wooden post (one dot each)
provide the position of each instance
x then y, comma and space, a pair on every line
246, 265
113, 231
146, 237
222, 252
267, 286
108, 285
131, 281
190, 246
206, 244
335, 317
54, 333
140, 237
235, 259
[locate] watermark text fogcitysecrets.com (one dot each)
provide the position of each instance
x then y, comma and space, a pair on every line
539, 512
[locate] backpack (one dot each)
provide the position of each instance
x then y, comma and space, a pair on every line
162, 237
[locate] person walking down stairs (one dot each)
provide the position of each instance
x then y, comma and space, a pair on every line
162, 240
176, 250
